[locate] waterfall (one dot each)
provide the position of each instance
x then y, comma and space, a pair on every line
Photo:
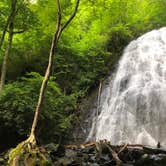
133, 104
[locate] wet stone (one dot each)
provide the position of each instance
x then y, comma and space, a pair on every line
152, 160
70, 153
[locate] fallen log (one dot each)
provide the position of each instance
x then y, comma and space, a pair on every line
123, 148
114, 155
150, 150
103, 153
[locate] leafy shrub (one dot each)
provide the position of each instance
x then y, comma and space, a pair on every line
17, 105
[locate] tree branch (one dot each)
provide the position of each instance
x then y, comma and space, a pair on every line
4, 31
58, 31
114, 155
59, 14
72, 16
47, 74
19, 31
13, 10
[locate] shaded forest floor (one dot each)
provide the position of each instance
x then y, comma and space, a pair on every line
100, 154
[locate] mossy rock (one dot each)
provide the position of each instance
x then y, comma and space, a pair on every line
23, 155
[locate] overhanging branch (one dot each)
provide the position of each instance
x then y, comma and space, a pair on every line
72, 16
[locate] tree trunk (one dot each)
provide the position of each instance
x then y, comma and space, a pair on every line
44, 85
5, 60
4, 31
10, 21
56, 37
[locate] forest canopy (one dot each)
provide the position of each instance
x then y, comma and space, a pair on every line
87, 52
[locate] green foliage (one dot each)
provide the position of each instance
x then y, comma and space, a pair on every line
17, 105
87, 51
96, 38
89, 47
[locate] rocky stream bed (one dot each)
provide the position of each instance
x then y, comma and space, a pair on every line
100, 154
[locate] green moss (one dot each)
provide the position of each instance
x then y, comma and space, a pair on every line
16, 152
23, 155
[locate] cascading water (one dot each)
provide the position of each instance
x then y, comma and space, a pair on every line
133, 105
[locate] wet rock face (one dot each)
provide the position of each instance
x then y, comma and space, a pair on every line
83, 122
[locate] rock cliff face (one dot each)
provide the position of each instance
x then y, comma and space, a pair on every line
88, 109
86, 113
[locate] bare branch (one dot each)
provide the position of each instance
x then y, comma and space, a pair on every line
59, 14
72, 16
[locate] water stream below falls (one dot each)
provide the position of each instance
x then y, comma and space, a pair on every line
133, 105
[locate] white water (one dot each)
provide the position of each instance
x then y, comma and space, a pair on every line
133, 105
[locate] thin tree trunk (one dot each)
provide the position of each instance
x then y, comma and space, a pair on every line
5, 60
44, 84
4, 31
56, 37
10, 23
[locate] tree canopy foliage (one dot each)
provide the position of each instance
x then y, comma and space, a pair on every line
87, 51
